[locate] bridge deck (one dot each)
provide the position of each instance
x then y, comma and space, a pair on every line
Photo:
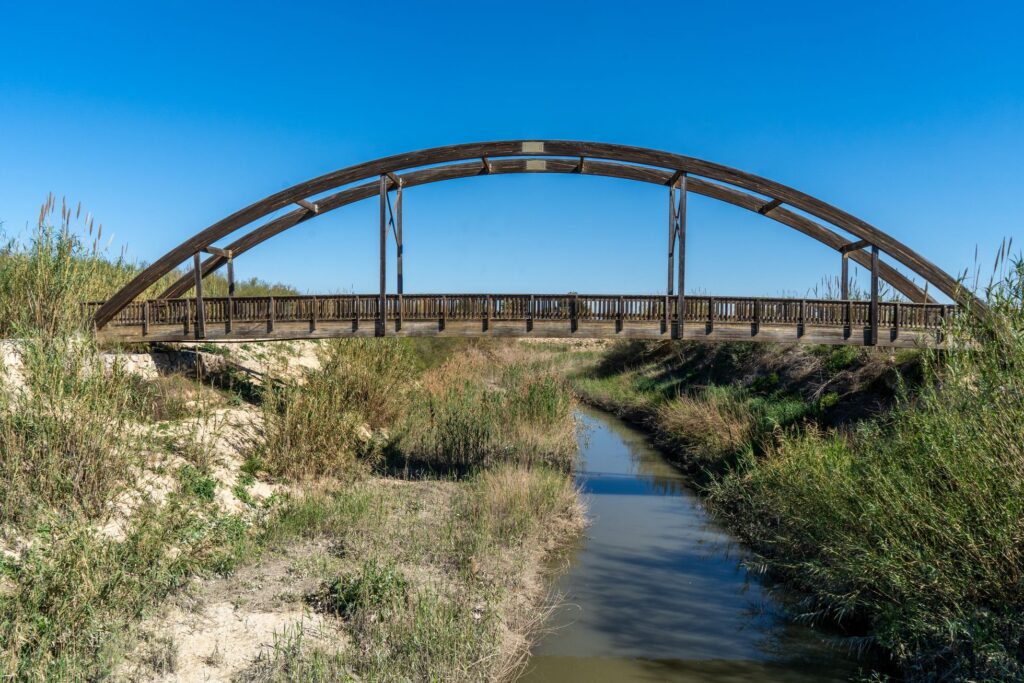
812, 321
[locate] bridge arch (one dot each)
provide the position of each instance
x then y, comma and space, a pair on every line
688, 174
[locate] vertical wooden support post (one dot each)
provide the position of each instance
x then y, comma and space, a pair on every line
896, 321
711, 314
681, 258
231, 315
529, 315
197, 269
399, 247
844, 279
618, 315
574, 311
800, 320
355, 314
382, 300
270, 315
231, 295
188, 314
673, 231
757, 316
444, 311
487, 312
313, 315
231, 277
145, 318
874, 295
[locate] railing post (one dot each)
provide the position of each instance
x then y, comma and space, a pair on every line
271, 313
848, 326
873, 340
681, 257
313, 315
145, 318
487, 311
574, 312
711, 314
188, 315
896, 321
800, 320
231, 314
529, 315
197, 269
444, 312
618, 315
757, 316
355, 314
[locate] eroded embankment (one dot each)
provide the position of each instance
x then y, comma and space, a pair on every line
888, 489
232, 531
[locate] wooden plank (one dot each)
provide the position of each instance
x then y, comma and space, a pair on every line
854, 246
769, 206
217, 251
308, 205
723, 331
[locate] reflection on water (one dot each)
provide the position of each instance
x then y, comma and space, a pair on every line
657, 591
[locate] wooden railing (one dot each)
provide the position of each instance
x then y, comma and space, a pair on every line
528, 307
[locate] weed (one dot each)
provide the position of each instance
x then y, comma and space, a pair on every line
196, 483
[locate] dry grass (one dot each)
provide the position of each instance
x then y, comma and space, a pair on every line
711, 426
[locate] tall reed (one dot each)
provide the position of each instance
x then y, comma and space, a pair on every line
914, 524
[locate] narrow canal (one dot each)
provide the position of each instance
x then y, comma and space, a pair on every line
658, 592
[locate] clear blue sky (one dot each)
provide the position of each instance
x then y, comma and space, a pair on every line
164, 117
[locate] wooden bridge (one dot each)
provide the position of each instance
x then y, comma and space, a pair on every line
916, 320
539, 315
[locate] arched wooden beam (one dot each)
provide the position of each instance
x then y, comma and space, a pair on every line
504, 166
539, 148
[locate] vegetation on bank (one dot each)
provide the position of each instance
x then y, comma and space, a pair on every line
45, 276
114, 495
888, 489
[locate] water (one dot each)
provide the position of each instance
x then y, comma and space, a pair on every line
657, 591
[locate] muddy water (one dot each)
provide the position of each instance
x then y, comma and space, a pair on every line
658, 592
